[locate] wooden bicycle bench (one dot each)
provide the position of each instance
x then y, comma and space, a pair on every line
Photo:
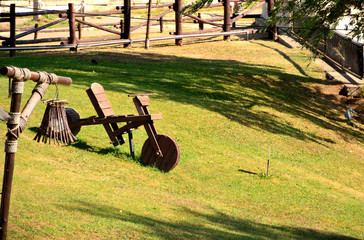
159, 150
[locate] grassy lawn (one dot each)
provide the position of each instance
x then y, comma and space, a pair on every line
226, 104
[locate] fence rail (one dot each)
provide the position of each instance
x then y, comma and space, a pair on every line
346, 52
123, 28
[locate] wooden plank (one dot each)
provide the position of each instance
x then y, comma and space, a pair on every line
109, 129
144, 100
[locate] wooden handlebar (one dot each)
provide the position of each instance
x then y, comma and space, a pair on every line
35, 76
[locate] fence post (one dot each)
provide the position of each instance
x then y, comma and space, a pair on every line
148, 25
35, 9
72, 26
226, 26
127, 25
200, 24
177, 9
161, 24
36, 32
79, 28
121, 28
12, 29
272, 31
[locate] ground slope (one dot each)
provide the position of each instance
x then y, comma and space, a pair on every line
226, 104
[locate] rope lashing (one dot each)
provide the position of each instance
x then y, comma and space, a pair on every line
14, 118
11, 146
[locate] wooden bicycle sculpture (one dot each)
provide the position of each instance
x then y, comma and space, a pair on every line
158, 150
61, 124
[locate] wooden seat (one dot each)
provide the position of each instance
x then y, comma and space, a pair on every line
103, 108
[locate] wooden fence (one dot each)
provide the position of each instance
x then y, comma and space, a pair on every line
123, 28
345, 52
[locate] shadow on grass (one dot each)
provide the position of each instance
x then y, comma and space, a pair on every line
248, 172
201, 225
112, 151
242, 92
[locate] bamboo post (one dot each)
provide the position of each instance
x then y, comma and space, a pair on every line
200, 24
36, 32
272, 31
72, 26
178, 16
12, 29
148, 25
127, 19
10, 150
226, 26
161, 24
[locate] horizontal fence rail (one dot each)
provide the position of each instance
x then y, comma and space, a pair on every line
78, 19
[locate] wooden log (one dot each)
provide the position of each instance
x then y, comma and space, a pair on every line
98, 39
5, 20
39, 28
34, 76
95, 14
79, 29
200, 24
36, 32
148, 25
121, 27
178, 17
161, 24
71, 21
42, 40
272, 31
153, 6
98, 27
44, 12
173, 20
226, 26
203, 31
133, 28
204, 21
127, 22
12, 30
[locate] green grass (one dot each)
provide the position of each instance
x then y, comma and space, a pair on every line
225, 103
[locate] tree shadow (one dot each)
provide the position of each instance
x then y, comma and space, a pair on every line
210, 224
239, 91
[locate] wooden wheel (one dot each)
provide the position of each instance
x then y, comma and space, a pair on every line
73, 116
170, 151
